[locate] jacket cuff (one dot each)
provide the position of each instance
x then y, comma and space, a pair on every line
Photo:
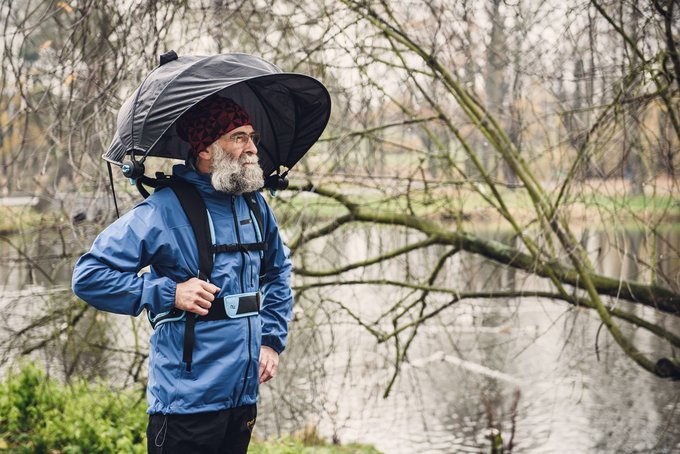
274, 343
159, 293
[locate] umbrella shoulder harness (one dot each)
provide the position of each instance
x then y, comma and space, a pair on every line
228, 307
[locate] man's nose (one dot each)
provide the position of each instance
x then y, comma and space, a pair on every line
250, 146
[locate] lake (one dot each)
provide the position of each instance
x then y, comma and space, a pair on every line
571, 387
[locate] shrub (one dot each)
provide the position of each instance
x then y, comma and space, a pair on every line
38, 414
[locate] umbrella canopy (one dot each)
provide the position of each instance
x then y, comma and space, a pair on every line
289, 110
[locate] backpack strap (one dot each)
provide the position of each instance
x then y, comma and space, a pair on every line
195, 209
254, 207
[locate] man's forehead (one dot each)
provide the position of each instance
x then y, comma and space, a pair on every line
241, 129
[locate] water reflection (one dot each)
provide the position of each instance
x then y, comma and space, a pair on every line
578, 392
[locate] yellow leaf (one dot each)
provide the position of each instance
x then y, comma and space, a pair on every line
46, 44
3, 444
70, 79
65, 6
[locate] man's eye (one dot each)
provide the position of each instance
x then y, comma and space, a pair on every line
239, 138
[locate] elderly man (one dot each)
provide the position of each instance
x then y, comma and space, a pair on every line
216, 336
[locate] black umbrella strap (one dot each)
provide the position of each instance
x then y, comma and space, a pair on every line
195, 209
242, 305
189, 340
113, 189
254, 206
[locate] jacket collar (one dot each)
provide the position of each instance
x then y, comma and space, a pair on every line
198, 179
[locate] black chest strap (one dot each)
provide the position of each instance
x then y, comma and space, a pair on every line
239, 247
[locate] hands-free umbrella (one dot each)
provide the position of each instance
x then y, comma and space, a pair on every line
289, 110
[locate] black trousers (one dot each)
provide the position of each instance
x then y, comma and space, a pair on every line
225, 431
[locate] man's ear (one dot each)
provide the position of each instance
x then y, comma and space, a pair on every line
204, 160
205, 155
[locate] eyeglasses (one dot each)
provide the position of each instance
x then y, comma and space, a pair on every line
241, 138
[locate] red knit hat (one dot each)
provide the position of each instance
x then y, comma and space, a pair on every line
209, 120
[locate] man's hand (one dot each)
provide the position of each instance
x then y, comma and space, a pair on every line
269, 361
195, 296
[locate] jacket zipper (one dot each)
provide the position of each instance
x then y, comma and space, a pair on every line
250, 358
251, 268
250, 350
238, 240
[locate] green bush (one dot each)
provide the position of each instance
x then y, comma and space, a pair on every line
41, 415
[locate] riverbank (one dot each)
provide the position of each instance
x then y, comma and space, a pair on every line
14, 219
40, 414
594, 204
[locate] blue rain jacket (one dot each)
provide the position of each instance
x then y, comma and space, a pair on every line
158, 234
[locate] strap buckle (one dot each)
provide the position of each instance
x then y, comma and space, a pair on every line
242, 304
174, 315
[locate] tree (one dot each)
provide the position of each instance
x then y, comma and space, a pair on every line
549, 245
419, 93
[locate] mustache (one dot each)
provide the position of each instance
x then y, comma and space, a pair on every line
248, 159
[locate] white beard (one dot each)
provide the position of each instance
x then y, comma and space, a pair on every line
230, 175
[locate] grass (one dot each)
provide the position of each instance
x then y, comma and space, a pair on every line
634, 203
290, 445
